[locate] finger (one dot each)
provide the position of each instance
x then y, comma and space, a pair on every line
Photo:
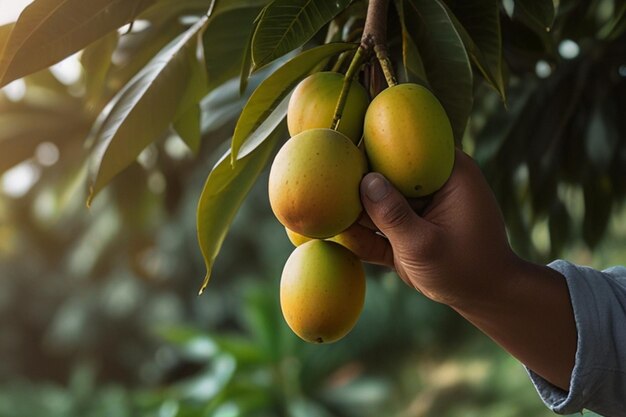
367, 245
366, 221
420, 204
390, 211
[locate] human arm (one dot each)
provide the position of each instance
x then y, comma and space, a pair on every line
457, 253
565, 322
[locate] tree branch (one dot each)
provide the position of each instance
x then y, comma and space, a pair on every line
375, 36
374, 39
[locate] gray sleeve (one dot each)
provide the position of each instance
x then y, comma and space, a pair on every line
598, 381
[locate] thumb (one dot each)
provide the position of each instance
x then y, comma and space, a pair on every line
389, 210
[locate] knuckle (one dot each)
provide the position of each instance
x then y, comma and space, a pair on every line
430, 245
395, 215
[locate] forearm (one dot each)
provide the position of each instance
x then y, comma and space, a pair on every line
530, 315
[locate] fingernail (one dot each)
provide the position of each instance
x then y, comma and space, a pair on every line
376, 187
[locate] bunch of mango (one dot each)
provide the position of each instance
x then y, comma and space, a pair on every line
403, 133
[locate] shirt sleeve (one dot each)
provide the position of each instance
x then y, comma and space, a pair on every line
598, 381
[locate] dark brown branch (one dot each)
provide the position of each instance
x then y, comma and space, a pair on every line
375, 36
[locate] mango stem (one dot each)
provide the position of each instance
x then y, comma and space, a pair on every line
375, 37
355, 64
385, 64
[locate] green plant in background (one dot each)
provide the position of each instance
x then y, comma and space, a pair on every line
158, 102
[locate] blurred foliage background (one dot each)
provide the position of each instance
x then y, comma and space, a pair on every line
98, 308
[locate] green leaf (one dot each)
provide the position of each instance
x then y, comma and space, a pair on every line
445, 59
187, 119
224, 191
246, 62
166, 9
143, 109
265, 129
478, 23
162, 11
96, 61
136, 50
413, 65
287, 24
225, 41
538, 14
269, 94
49, 30
221, 106
188, 128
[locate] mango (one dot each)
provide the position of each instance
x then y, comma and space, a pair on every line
408, 138
322, 291
314, 183
313, 102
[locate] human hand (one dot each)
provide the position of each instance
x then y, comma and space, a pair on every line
457, 253
455, 250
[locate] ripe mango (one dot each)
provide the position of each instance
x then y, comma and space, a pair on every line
313, 102
314, 183
322, 291
408, 139
296, 238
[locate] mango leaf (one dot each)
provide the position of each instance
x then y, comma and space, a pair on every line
134, 51
188, 128
96, 61
537, 14
445, 59
246, 61
276, 87
162, 11
413, 65
221, 106
49, 30
478, 23
265, 129
143, 109
187, 119
5, 32
287, 24
166, 9
225, 42
224, 191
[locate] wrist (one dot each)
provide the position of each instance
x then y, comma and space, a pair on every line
527, 311
493, 289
